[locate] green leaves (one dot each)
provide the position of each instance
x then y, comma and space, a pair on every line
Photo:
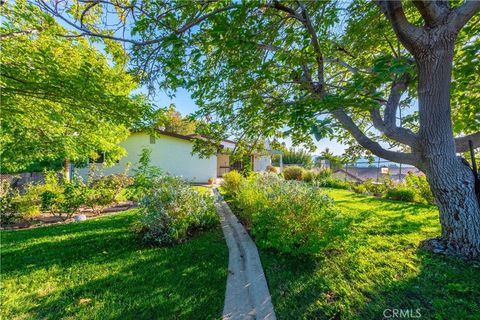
61, 97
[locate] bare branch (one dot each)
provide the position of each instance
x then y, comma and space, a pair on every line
367, 143
18, 33
464, 13
461, 143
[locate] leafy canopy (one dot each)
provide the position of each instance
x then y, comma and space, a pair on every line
61, 97
264, 68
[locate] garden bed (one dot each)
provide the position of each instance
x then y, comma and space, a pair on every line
47, 219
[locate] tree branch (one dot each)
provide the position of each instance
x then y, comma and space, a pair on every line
87, 32
406, 32
433, 12
461, 143
464, 13
18, 33
367, 143
388, 125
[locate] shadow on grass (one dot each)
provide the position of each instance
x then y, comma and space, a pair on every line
341, 287
99, 269
148, 289
375, 267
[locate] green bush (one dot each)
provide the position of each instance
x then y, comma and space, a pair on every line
105, 191
400, 194
335, 184
288, 216
29, 204
292, 156
271, 169
143, 178
8, 205
378, 189
359, 188
64, 198
172, 210
293, 173
232, 182
421, 187
323, 175
308, 176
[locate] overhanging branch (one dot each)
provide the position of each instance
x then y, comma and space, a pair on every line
461, 143
367, 143
464, 13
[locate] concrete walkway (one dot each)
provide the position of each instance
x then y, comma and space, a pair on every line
247, 295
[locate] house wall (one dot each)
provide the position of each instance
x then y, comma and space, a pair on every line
172, 155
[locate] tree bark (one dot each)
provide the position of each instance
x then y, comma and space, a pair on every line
66, 170
450, 179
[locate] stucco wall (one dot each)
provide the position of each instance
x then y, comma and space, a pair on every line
172, 155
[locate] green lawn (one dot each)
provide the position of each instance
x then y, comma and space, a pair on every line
377, 267
99, 270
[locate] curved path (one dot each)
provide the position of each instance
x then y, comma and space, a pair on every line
247, 295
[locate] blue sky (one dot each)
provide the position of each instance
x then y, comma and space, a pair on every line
185, 105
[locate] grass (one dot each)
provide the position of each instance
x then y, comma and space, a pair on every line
98, 269
376, 267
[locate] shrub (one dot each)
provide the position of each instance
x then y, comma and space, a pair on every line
143, 178
376, 188
271, 169
308, 176
173, 210
293, 173
291, 217
232, 181
63, 199
8, 204
335, 184
106, 190
29, 204
421, 187
359, 188
400, 194
323, 175
298, 157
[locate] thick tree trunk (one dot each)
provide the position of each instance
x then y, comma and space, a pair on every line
451, 181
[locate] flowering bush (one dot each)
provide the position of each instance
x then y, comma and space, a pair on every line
172, 210
288, 216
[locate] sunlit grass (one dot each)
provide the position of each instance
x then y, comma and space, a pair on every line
98, 269
377, 266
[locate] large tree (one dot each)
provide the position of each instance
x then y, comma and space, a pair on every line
256, 67
61, 98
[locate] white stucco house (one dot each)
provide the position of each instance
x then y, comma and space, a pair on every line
172, 153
